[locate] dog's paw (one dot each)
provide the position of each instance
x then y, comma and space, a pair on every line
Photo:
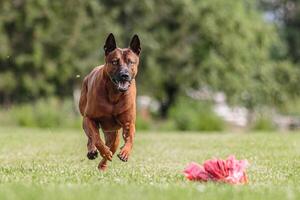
124, 154
92, 155
102, 165
106, 153
122, 158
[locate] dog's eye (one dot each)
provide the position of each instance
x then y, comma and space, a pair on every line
115, 62
130, 62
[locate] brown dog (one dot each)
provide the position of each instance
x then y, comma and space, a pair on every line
108, 101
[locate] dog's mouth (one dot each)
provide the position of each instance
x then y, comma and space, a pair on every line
123, 86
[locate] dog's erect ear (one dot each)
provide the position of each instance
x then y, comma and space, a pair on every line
110, 44
135, 45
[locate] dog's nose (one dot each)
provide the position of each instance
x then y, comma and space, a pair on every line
125, 76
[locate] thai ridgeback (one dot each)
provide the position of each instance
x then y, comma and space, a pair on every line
108, 101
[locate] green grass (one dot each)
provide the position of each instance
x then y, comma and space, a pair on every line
51, 164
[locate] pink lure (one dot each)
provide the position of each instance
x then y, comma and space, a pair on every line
230, 171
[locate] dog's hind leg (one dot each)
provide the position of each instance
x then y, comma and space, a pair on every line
83, 97
112, 140
92, 150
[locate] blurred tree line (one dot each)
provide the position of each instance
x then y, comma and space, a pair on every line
287, 14
186, 44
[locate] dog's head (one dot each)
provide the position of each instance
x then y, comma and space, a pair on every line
122, 64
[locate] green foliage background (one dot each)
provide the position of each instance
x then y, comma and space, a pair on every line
223, 45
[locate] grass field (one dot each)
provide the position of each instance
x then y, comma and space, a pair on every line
51, 164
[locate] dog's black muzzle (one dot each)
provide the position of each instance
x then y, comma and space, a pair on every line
122, 79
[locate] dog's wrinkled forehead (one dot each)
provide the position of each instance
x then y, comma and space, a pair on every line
122, 55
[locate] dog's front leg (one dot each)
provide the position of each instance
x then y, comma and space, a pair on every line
91, 129
128, 136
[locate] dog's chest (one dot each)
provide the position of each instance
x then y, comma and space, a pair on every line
104, 109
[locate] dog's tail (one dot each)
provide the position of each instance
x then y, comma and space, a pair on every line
83, 97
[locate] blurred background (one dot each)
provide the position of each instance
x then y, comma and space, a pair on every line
206, 65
